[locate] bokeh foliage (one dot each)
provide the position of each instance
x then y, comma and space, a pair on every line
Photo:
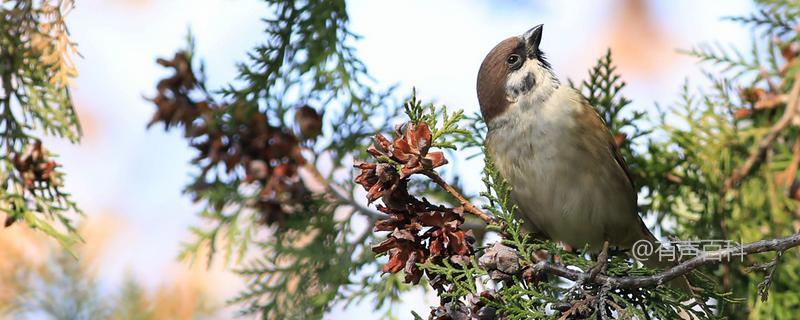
40, 280
713, 131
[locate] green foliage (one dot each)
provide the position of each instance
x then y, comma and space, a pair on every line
37, 53
310, 263
711, 134
729, 59
778, 17
602, 89
774, 21
445, 131
498, 193
234, 227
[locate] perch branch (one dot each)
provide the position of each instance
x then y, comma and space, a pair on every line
718, 256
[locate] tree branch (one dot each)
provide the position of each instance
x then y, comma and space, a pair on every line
468, 206
768, 139
343, 197
718, 256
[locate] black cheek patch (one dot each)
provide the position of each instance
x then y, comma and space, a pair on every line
528, 82
526, 85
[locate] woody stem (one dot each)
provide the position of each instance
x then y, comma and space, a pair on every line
768, 139
468, 206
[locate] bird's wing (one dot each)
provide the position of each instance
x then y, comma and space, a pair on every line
612, 147
614, 150
621, 162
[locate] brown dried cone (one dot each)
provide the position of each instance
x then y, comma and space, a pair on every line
236, 137
742, 113
408, 216
446, 238
620, 139
752, 95
308, 121
789, 51
479, 310
410, 149
34, 167
500, 262
376, 178
758, 99
455, 310
174, 107
475, 308
578, 309
406, 247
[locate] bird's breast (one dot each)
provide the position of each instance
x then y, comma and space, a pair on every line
564, 180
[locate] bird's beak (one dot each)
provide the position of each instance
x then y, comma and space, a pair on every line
533, 37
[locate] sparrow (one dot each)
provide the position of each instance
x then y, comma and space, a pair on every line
568, 179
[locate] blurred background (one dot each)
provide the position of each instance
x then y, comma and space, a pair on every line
129, 180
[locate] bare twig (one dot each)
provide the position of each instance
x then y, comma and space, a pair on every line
468, 206
719, 256
623, 313
344, 197
579, 308
341, 195
768, 139
601, 301
763, 286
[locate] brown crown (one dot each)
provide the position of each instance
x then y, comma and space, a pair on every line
492, 77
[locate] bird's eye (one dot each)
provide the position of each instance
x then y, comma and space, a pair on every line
512, 59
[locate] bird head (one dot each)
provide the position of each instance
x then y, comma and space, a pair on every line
514, 70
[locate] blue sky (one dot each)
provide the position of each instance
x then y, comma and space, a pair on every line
136, 175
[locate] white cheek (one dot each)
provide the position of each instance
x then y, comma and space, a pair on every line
543, 82
516, 78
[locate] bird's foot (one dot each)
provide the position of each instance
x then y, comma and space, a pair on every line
600, 264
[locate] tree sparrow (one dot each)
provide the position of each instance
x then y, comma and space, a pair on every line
569, 180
